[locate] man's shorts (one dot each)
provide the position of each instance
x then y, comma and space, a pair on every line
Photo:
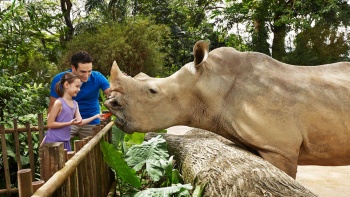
82, 131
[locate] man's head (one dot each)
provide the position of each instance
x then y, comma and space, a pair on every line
81, 63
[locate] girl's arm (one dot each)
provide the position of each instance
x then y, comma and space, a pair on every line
51, 117
85, 121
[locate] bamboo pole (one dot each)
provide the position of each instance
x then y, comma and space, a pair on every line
5, 160
24, 177
31, 152
59, 177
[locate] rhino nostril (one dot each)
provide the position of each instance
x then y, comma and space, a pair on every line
115, 103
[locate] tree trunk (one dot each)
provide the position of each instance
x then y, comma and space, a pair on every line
205, 158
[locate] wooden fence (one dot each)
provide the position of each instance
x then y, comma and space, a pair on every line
81, 172
29, 130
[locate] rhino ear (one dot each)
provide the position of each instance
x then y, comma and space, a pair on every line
141, 76
200, 52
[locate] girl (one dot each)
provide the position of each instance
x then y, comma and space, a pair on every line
65, 111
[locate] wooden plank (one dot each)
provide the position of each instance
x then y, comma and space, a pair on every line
5, 160
41, 127
72, 177
58, 178
93, 172
20, 130
18, 153
87, 160
30, 147
78, 145
66, 185
24, 178
9, 191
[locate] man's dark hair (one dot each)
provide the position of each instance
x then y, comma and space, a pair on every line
80, 57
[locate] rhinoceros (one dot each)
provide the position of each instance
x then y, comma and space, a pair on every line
289, 115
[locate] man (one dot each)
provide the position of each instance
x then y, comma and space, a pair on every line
88, 97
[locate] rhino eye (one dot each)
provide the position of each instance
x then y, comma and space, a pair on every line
152, 91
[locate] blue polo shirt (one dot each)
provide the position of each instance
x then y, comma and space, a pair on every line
88, 97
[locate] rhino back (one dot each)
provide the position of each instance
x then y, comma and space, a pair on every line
266, 102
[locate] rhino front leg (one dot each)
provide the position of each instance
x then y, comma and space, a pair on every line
286, 164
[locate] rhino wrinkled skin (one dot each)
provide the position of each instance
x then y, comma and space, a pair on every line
289, 115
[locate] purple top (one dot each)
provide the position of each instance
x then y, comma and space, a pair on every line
62, 134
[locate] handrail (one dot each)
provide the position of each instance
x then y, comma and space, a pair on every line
60, 176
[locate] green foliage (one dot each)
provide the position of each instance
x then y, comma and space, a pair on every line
28, 42
19, 99
307, 19
27, 49
151, 154
136, 45
115, 160
179, 189
146, 166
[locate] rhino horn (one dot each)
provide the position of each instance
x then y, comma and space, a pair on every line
115, 74
115, 71
200, 52
142, 76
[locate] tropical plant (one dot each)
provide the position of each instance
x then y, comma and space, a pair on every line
143, 168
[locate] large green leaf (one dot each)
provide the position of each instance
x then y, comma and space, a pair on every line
115, 160
149, 153
181, 190
135, 138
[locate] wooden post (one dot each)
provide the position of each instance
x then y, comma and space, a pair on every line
25, 182
52, 160
92, 166
72, 177
4, 156
37, 184
58, 178
30, 146
78, 144
41, 127
18, 154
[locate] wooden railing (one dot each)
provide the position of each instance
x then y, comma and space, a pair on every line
81, 172
85, 173
29, 130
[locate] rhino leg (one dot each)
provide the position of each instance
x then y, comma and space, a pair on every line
285, 164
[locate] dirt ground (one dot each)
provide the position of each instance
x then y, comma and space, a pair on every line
324, 181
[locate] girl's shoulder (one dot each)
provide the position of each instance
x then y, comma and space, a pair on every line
58, 101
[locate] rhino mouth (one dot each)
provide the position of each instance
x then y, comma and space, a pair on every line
116, 109
122, 124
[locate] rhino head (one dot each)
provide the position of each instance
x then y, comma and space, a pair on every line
146, 104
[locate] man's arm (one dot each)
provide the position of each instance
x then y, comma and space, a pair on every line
106, 91
52, 101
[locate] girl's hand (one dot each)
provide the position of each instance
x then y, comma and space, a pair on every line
75, 121
100, 116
